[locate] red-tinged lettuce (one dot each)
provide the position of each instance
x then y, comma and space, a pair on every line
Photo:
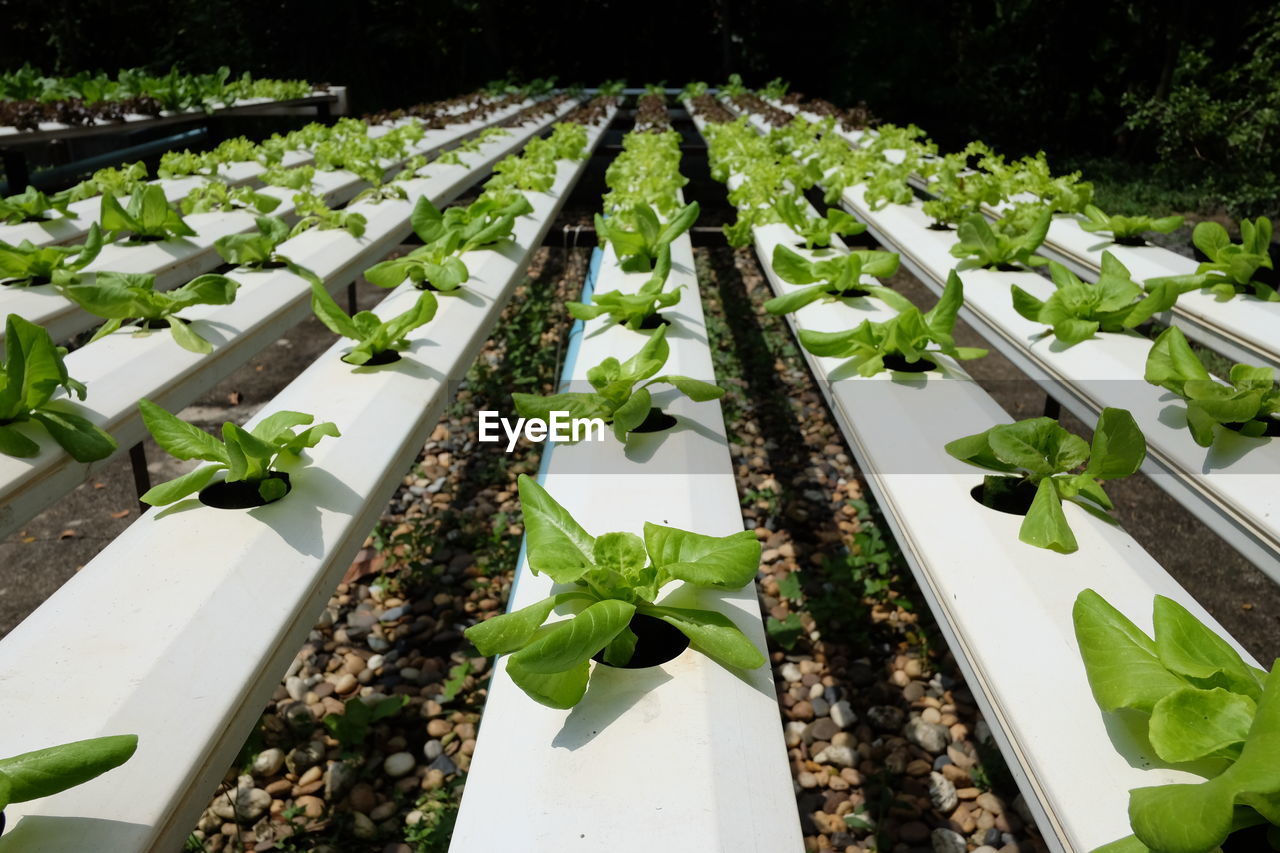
610, 578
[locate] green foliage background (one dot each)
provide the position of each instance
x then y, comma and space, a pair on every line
1187, 94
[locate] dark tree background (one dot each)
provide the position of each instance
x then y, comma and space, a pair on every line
1058, 75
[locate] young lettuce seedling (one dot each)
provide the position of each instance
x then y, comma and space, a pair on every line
1246, 403
815, 230
616, 399
247, 456
114, 181
1232, 268
27, 264
638, 249
832, 278
256, 251
615, 576
1077, 311
1005, 246
1199, 701
120, 297
32, 373
148, 216
901, 343
1127, 230
1039, 454
376, 340
633, 309
49, 771
216, 195
32, 205
295, 178
314, 213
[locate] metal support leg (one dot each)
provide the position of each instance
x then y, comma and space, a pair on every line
141, 476
351, 299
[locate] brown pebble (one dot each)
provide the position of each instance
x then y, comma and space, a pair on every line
279, 788
919, 767
913, 832
312, 807
807, 780
310, 788
311, 775
802, 710
968, 793
438, 728
362, 797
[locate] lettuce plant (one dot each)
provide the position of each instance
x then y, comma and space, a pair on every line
27, 264
1247, 402
435, 267
1006, 245
256, 250
49, 771
633, 309
900, 343
639, 248
247, 456
375, 339
832, 278
1039, 454
1198, 701
295, 178
31, 375
147, 216
31, 205
217, 195
314, 213
815, 230
109, 181
1127, 230
1077, 311
1232, 268
611, 578
121, 297
617, 400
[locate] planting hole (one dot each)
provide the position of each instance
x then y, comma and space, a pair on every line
656, 421
1270, 428
383, 356
1012, 495
851, 293
897, 362
241, 494
656, 643
653, 321
1129, 241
